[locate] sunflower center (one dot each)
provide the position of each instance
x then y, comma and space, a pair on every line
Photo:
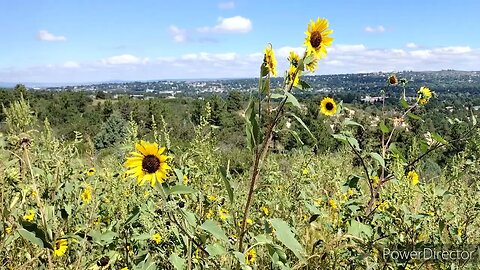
150, 164
316, 39
329, 106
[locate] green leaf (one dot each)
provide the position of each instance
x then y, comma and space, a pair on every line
285, 235
29, 236
312, 209
474, 119
148, 264
176, 261
354, 143
378, 158
277, 96
383, 127
180, 189
414, 116
352, 182
292, 99
438, 138
251, 125
215, 229
359, 229
39, 233
304, 85
134, 215
103, 238
295, 135
215, 250
404, 103
349, 122
299, 120
265, 86
179, 175
227, 181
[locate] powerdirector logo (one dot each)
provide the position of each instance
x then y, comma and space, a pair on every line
463, 254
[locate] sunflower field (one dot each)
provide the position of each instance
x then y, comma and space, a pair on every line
150, 202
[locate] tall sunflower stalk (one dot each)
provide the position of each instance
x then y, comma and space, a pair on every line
316, 41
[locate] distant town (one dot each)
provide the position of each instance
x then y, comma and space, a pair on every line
367, 84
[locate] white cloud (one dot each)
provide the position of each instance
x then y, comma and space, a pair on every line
71, 64
124, 59
179, 35
411, 45
236, 24
44, 35
226, 5
374, 29
284, 52
209, 57
341, 58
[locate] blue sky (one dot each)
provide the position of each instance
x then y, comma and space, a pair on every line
91, 40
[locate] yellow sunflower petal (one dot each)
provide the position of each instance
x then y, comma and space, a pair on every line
141, 148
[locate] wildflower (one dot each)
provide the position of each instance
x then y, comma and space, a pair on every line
424, 95
265, 210
223, 213
157, 238
249, 221
60, 247
392, 80
382, 206
413, 177
317, 37
124, 268
146, 194
375, 181
317, 202
210, 213
293, 76
333, 204
312, 66
148, 164
185, 180
294, 59
305, 171
270, 61
30, 215
8, 230
211, 198
91, 172
33, 194
87, 194
328, 106
251, 256
350, 192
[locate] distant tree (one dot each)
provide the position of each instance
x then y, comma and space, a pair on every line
100, 95
111, 133
234, 101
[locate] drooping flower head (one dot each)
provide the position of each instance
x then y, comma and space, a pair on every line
148, 163
328, 106
293, 76
392, 80
318, 38
270, 61
294, 59
312, 66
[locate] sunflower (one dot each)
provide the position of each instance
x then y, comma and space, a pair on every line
148, 164
91, 172
265, 210
413, 177
317, 37
269, 60
30, 215
328, 106
333, 204
60, 247
424, 95
294, 59
157, 238
392, 80
223, 213
251, 256
293, 75
86, 194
